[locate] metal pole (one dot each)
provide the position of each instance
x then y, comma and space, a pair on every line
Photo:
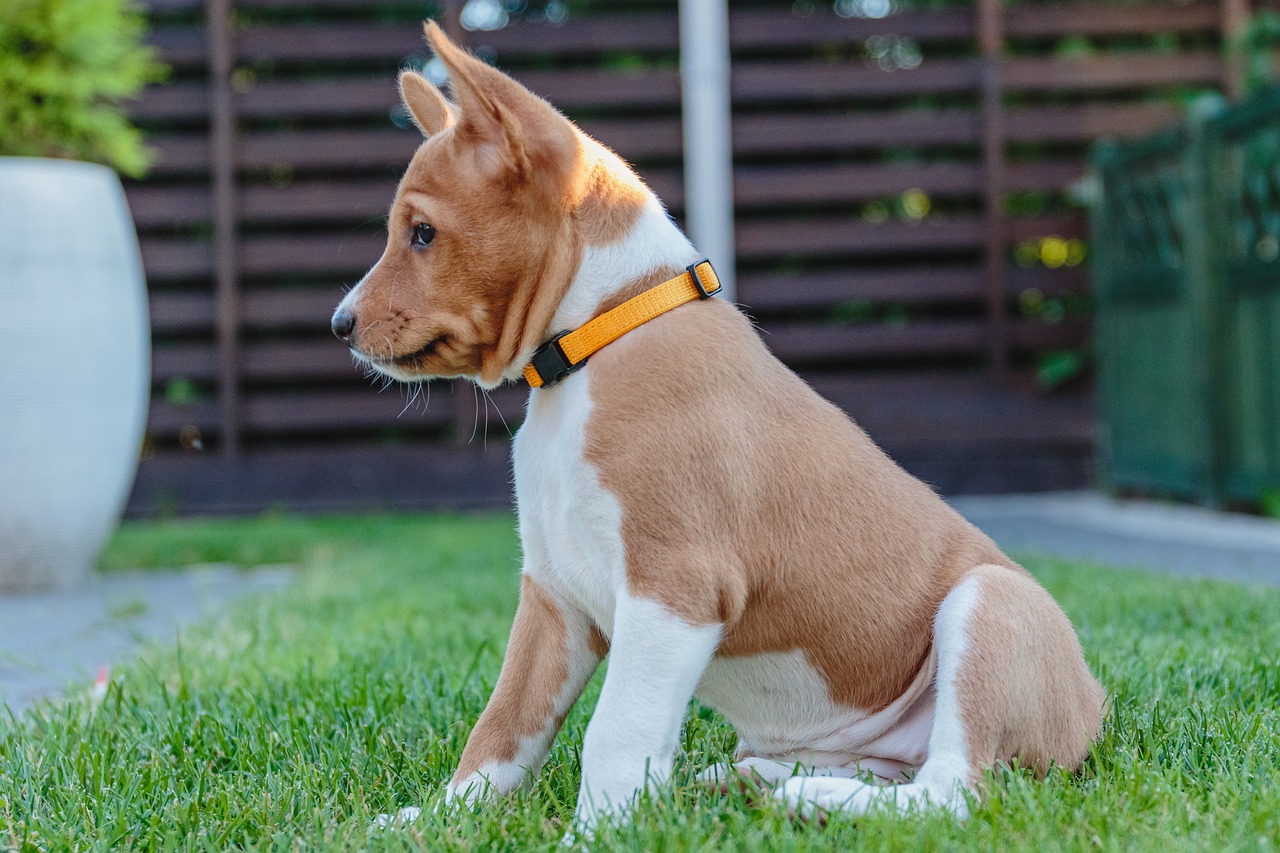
222, 169
708, 141
994, 241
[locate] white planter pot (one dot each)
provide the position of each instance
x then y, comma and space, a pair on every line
74, 367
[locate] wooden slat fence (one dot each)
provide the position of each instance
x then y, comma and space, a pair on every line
896, 178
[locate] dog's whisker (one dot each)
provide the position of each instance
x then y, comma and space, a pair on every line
475, 422
496, 408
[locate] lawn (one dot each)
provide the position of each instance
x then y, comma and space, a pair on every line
296, 718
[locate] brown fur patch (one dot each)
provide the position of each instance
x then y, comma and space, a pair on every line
533, 672
749, 500
1025, 691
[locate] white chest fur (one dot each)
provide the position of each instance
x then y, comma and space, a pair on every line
570, 525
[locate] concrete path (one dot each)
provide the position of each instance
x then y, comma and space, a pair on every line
49, 641
1183, 540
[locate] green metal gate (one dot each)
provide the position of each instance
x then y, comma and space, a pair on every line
1187, 273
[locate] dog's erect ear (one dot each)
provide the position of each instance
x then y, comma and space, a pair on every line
514, 128
427, 107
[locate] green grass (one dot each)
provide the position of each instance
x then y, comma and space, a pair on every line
295, 718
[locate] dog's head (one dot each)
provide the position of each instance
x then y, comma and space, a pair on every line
485, 232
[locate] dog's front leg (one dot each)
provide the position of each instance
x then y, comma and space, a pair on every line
655, 663
552, 652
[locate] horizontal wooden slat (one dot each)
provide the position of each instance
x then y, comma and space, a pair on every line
793, 82
156, 205
1044, 20
346, 97
328, 43
169, 258
336, 255
767, 29
1051, 282
1101, 72
808, 343
172, 101
571, 89
193, 361
326, 358
291, 309
799, 132
179, 154
762, 186
181, 312
339, 410
1043, 175
310, 202
930, 410
172, 6
329, 411
164, 420
180, 46
1065, 225
1087, 122
764, 291
760, 239
1034, 334
328, 149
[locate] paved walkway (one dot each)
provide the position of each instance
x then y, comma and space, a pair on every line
1179, 539
49, 641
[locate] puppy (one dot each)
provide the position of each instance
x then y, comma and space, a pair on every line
688, 505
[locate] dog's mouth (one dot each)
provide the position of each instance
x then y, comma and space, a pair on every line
426, 351
409, 359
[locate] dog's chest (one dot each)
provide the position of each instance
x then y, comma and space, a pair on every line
570, 525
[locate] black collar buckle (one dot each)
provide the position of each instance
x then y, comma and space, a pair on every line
551, 362
692, 269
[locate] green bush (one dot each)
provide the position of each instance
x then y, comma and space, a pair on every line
66, 67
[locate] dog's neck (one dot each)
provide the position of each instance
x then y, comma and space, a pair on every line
653, 245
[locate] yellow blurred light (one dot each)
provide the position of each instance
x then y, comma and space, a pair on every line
1076, 251
915, 204
1053, 252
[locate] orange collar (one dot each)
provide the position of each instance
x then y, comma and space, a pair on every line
568, 351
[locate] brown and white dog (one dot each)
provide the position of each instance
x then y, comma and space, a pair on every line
690, 507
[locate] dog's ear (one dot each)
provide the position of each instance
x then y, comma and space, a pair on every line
513, 128
430, 112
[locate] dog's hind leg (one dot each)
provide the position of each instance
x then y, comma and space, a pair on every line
1011, 685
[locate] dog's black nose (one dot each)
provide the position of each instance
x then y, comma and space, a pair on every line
343, 323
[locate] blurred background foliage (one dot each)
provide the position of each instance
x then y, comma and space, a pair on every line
67, 69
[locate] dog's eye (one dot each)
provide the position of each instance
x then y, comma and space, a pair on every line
423, 234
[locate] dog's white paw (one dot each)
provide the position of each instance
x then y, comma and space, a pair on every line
399, 820
578, 838
467, 792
